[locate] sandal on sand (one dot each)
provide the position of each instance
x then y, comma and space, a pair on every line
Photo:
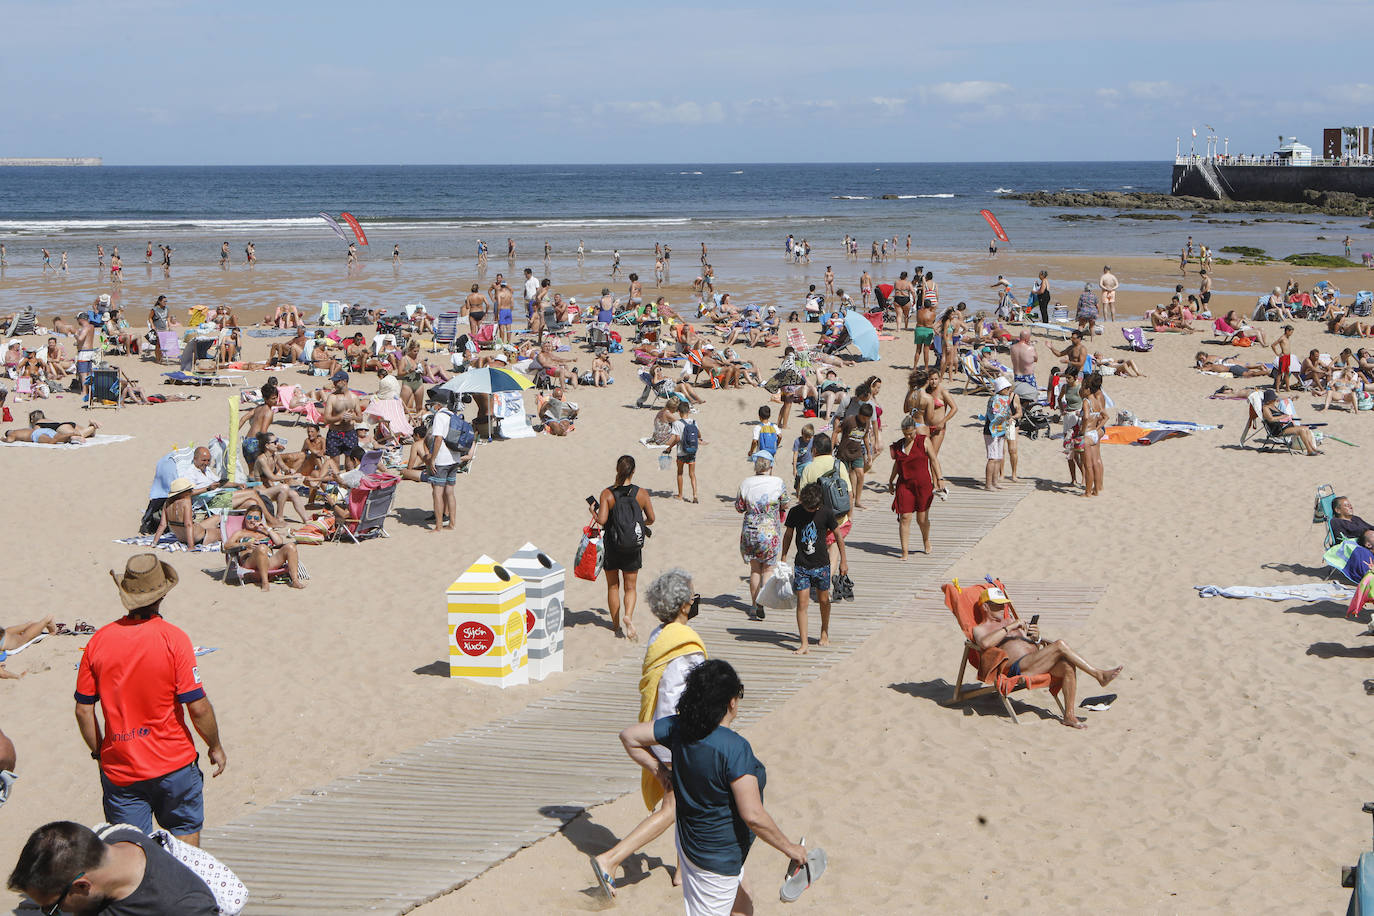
82, 628
606, 882
798, 879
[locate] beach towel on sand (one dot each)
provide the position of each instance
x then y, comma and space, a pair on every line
98, 439
1303, 591
674, 641
168, 542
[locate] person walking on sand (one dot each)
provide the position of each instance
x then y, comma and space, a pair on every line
625, 512
1109, 284
674, 649
1042, 296
224, 256
811, 522
912, 482
1283, 348
719, 787
762, 500
142, 670
687, 438
999, 410
1093, 426
47, 260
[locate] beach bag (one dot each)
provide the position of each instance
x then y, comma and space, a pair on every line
776, 592
460, 436
625, 526
230, 894
835, 490
590, 556
691, 437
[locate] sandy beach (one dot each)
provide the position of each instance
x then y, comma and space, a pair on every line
1227, 776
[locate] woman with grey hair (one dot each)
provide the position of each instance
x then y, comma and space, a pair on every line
762, 500
674, 650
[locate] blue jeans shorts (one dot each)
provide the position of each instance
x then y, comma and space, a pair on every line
174, 800
818, 578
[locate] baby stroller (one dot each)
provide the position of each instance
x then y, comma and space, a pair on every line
837, 343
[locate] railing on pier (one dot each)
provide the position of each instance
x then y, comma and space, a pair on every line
1229, 161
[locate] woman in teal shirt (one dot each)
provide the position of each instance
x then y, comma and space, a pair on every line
719, 787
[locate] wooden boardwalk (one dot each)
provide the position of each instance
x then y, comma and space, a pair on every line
432, 818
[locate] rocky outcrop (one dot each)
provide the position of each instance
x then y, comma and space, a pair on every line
1331, 203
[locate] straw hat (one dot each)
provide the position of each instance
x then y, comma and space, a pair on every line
145, 581
178, 487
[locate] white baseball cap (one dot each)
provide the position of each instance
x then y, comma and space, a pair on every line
996, 596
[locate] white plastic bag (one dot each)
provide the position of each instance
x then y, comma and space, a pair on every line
776, 593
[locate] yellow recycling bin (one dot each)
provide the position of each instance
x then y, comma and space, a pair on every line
486, 625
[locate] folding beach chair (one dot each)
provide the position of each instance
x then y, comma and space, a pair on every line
1255, 427
169, 343
1135, 338
974, 380
25, 323
1363, 304
106, 388
988, 663
796, 339
1323, 512
331, 312
445, 330
1059, 314
1225, 334
369, 503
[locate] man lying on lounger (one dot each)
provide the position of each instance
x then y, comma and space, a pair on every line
1027, 653
51, 432
13, 637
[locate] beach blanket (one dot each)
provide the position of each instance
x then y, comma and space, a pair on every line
168, 542
186, 378
1139, 435
1186, 426
98, 439
1303, 591
271, 332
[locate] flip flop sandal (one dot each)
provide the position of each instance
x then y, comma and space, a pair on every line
799, 878
83, 628
603, 880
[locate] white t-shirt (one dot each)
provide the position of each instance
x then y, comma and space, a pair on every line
670, 686
679, 426
388, 388
442, 456
200, 479
531, 288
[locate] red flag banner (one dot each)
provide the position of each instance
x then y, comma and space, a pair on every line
353, 224
987, 215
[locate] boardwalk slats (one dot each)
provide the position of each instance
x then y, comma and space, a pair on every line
435, 816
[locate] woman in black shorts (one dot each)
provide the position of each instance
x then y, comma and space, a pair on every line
623, 560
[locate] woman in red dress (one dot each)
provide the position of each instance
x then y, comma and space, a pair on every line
914, 468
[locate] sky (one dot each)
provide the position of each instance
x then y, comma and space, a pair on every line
163, 82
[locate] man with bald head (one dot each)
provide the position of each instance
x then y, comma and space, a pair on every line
1023, 355
234, 495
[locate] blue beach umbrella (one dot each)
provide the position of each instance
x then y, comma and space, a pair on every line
863, 334
488, 381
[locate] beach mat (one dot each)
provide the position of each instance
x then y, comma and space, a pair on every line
271, 332
1304, 591
97, 439
167, 542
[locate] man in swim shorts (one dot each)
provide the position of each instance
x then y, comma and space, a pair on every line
505, 304
1108, 284
341, 413
1023, 356
924, 335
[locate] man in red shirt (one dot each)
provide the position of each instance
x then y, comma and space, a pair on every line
141, 669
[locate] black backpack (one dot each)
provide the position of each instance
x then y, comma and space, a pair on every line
625, 523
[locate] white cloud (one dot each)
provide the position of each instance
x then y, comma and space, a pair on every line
889, 105
1351, 93
1146, 90
969, 92
655, 112
1108, 95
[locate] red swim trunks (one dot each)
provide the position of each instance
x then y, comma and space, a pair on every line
1285, 363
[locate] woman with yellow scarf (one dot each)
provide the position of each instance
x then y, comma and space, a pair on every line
674, 650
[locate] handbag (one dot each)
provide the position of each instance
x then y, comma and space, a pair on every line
591, 554
776, 592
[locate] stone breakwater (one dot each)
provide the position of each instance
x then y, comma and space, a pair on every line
1331, 203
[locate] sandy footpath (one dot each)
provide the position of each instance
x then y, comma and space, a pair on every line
1228, 775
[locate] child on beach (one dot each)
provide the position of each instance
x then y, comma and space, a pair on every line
1283, 348
801, 452
766, 436
687, 438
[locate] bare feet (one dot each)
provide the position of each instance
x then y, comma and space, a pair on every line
49, 626
1106, 677
824, 640
1073, 722
803, 649
630, 633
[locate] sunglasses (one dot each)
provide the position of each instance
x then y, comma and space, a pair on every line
57, 907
